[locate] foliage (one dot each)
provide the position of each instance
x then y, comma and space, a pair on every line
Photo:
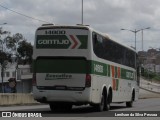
157, 78
3, 32
12, 41
4, 55
15, 45
150, 75
25, 51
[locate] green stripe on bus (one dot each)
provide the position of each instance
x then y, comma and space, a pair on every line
99, 68
127, 74
80, 67
83, 40
109, 70
60, 66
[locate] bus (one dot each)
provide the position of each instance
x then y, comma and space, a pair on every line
77, 65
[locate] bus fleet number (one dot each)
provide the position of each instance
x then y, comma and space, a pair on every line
98, 68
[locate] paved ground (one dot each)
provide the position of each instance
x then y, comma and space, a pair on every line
149, 85
88, 113
149, 90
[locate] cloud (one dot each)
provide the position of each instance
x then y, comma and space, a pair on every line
103, 15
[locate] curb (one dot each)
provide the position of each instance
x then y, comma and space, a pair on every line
150, 90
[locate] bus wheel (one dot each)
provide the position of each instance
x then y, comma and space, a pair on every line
54, 108
100, 107
107, 104
60, 107
67, 107
130, 103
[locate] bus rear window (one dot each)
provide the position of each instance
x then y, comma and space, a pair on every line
61, 65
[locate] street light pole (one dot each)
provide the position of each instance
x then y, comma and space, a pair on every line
142, 39
135, 57
142, 36
135, 37
135, 32
82, 12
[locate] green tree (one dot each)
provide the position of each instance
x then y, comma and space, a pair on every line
25, 51
4, 53
3, 36
13, 41
5, 56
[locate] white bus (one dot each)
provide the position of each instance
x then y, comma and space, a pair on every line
76, 65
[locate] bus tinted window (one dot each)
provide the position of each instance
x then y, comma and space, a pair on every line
112, 51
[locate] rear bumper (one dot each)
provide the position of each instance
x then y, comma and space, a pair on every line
48, 96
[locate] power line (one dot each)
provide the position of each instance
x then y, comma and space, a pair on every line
23, 14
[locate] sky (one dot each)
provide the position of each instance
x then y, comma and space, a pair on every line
106, 16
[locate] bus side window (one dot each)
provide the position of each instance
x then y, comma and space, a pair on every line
94, 35
97, 45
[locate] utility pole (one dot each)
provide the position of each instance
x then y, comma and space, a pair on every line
135, 32
82, 12
142, 36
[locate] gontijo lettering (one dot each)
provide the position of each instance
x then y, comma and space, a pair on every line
55, 42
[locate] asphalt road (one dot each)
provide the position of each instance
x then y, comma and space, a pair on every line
140, 106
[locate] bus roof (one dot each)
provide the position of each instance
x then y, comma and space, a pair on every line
63, 26
86, 27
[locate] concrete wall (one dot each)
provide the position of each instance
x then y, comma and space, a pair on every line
15, 99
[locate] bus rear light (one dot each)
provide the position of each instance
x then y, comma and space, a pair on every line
34, 82
88, 80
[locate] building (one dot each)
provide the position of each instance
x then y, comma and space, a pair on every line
142, 55
157, 68
150, 60
22, 74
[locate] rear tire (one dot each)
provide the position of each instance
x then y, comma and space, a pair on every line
53, 107
60, 107
130, 103
107, 105
108, 100
100, 107
68, 107
104, 105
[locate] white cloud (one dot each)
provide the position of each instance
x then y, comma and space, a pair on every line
107, 16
